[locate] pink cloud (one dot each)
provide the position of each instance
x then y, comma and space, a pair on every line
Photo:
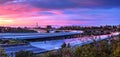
17, 9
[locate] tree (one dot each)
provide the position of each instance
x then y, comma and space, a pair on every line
78, 52
25, 54
50, 54
2, 53
68, 45
64, 45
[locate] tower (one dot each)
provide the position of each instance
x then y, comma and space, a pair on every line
37, 25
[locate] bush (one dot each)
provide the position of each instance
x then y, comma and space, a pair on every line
25, 54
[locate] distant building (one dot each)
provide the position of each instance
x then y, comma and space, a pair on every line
49, 27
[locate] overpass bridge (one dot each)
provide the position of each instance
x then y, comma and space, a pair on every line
39, 36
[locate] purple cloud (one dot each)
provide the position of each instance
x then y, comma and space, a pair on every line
61, 4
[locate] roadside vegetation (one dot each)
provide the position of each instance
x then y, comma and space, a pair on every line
2, 53
12, 42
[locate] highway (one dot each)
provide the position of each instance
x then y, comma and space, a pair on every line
33, 35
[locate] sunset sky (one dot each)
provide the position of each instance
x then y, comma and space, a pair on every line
59, 12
